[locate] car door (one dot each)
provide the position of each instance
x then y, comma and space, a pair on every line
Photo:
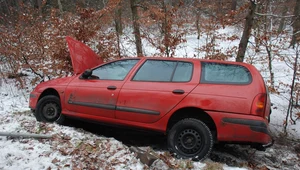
97, 95
156, 87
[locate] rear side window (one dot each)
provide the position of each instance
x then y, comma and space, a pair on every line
164, 71
218, 73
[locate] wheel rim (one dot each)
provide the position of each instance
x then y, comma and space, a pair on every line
51, 111
189, 141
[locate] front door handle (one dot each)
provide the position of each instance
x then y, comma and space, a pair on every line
178, 91
111, 87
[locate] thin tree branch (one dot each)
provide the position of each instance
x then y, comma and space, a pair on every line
272, 15
296, 32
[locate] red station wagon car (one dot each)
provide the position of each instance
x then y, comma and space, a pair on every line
194, 102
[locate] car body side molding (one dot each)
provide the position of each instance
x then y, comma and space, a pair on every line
96, 105
136, 110
245, 122
113, 107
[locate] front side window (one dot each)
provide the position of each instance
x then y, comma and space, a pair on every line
164, 71
218, 73
117, 70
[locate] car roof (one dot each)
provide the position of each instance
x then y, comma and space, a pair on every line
191, 60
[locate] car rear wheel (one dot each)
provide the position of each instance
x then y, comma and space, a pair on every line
190, 138
49, 110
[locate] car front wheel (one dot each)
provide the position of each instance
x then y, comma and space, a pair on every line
49, 110
190, 138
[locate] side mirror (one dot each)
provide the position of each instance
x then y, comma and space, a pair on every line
87, 73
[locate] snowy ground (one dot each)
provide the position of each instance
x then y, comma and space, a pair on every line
78, 147
69, 147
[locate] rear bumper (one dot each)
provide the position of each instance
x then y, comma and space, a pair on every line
245, 129
257, 127
254, 125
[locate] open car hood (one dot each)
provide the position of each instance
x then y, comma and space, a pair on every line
82, 56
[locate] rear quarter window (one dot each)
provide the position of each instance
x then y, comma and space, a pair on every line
219, 73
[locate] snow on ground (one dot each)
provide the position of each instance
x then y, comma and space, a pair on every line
12, 99
69, 148
75, 148
278, 118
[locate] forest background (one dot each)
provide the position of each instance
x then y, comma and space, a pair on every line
32, 35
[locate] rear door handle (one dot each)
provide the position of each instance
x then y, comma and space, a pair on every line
178, 91
111, 87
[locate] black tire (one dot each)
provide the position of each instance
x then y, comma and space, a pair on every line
49, 110
190, 138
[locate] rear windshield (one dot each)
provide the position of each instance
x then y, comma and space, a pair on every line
219, 73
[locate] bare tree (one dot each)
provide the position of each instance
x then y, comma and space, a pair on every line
166, 25
247, 32
283, 13
37, 4
60, 7
233, 4
268, 26
118, 25
296, 25
136, 28
118, 19
291, 100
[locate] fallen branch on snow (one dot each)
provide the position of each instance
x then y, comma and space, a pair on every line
25, 135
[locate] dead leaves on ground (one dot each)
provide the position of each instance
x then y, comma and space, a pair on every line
78, 149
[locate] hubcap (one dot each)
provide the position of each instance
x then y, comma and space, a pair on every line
50, 111
189, 141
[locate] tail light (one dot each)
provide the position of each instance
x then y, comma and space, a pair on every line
259, 105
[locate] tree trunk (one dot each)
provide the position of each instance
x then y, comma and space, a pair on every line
296, 25
268, 28
198, 23
81, 3
37, 4
60, 6
291, 101
282, 20
136, 28
219, 7
246, 33
166, 29
5, 11
268, 49
118, 26
119, 44
257, 28
233, 5
118, 20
